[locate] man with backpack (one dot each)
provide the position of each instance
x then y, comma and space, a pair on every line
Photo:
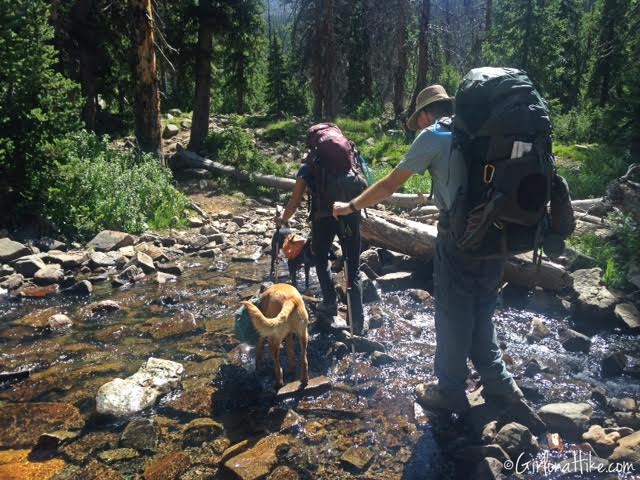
332, 172
479, 225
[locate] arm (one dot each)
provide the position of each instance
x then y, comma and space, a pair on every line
294, 201
376, 193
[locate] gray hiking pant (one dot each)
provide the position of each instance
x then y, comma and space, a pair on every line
465, 295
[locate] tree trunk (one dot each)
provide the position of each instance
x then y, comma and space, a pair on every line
488, 12
84, 32
423, 38
401, 70
330, 62
528, 27
145, 73
200, 117
316, 63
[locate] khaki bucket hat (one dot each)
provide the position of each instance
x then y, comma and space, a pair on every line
431, 94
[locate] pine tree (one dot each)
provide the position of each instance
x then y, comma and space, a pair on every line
276, 76
37, 104
359, 81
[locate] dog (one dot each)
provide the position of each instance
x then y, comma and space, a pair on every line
304, 259
281, 315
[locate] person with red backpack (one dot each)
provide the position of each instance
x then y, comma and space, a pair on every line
331, 172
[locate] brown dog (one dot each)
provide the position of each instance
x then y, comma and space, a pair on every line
281, 315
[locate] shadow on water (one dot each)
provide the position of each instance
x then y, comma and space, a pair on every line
370, 406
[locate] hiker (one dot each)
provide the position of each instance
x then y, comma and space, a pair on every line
330, 172
465, 288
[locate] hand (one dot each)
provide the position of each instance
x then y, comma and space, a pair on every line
341, 208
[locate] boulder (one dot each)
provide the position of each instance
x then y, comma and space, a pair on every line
628, 449
595, 303
122, 398
396, 281
108, 240
29, 265
629, 315
603, 443
10, 250
516, 439
170, 131
67, 260
101, 259
568, 419
573, 341
613, 364
259, 460
144, 261
13, 281
372, 259
59, 321
48, 275
538, 330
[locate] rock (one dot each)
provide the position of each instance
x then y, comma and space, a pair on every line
361, 344
538, 330
380, 358
489, 432
196, 401
29, 265
39, 292
55, 439
396, 281
628, 314
316, 386
84, 287
258, 461
627, 419
613, 364
477, 453
21, 424
603, 443
143, 261
291, 421
162, 278
176, 112
101, 259
628, 449
37, 318
59, 322
10, 250
376, 317
515, 439
199, 431
141, 390
418, 295
83, 448
372, 259
48, 274
185, 124
141, 434
181, 323
168, 467
369, 290
131, 274
573, 341
6, 270
105, 306
250, 255
623, 404
13, 282
118, 455
68, 260
488, 469
170, 131
568, 419
170, 268
283, 473
542, 301
595, 303
357, 457
18, 465
108, 240
195, 222
234, 450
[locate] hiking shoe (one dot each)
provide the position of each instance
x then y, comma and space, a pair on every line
327, 309
516, 407
431, 397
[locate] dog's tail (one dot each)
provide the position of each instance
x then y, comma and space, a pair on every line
265, 325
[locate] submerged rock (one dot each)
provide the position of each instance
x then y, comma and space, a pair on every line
141, 390
141, 434
259, 460
59, 321
357, 457
183, 322
168, 467
199, 431
16, 465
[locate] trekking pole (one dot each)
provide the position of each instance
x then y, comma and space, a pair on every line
347, 282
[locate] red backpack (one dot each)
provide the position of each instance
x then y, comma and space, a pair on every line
334, 161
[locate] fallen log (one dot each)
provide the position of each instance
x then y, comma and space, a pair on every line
418, 240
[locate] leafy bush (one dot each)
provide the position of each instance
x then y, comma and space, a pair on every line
235, 147
369, 108
615, 256
97, 187
583, 125
590, 168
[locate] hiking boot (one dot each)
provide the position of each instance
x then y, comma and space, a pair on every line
361, 329
326, 314
431, 397
516, 407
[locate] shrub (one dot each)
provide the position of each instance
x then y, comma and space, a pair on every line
369, 108
97, 187
290, 131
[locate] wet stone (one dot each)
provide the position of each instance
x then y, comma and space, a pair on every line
37, 318
316, 386
629, 315
283, 473
573, 341
568, 419
628, 449
105, 306
603, 443
168, 467
16, 465
396, 281
200, 430
250, 255
357, 457
538, 330
170, 268
143, 261
258, 461
68, 260
141, 434
118, 455
108, 240
29, 265
380, 358
59, 322
234, 450
183, 322
515, 439
86, 446
194, 401
100, 260
13, 281
48, 275
53, 440
83, 287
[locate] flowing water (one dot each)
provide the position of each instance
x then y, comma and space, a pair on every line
368, 406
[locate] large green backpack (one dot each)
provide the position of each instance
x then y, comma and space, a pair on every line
502, 127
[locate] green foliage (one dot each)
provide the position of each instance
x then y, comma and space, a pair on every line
359, 81
290, 131
96, 187
36, 103
614, 256
590, 168
235, 147
369, 108
276, 76
587, 124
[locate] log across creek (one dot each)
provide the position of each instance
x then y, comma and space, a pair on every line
395, 233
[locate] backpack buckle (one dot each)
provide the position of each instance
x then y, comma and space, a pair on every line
488, 173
